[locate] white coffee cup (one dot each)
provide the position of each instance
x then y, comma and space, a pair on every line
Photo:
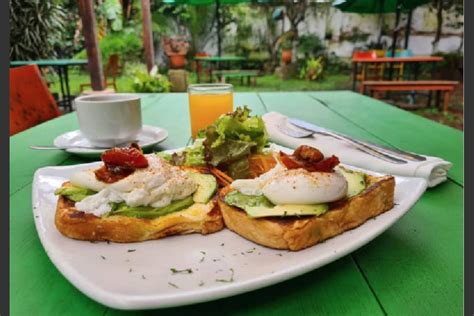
109, 119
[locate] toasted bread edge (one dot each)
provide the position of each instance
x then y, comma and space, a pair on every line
122, 229
299, 233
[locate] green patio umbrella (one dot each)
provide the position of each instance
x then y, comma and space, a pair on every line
383, 6
217, 3
377, 6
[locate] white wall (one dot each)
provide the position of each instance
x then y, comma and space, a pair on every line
422, 30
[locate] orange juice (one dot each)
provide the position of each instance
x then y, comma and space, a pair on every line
206, 107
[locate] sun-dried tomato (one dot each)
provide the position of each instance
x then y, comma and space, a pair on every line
309, 158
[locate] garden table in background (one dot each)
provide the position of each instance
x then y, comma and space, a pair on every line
414, 268
415, 60
61, 66
216, 62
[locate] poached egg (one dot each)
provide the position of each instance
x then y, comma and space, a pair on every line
295, 186
156, 185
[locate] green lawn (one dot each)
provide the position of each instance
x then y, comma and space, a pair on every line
264, 83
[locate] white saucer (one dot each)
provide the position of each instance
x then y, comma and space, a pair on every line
148, 137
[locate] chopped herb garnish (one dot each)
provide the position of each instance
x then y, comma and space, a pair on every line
216, 260
231, 279
131, 250
222, 245
279, 254
202, 259
184, 271
130, 270
143, 277
103, 257
173, 285
203, 252
201, 283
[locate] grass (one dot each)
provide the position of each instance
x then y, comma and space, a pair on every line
264, 83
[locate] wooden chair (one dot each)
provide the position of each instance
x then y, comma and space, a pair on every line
31, 103
112, 69
370, 71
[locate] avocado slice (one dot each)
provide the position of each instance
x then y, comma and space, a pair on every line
207, 186
235, 198
150, 212
74, 193
287, 210
260, 206
356, 181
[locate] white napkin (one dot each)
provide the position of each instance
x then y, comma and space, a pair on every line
434, 170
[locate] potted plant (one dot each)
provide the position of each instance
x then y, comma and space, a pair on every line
176, 49
286, 51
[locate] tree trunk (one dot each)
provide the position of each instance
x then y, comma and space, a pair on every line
86, 10
439, 26
147, 35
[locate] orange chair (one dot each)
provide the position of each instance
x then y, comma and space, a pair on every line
112, 70
31, 103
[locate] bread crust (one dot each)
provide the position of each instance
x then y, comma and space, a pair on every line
199, 218
295, 233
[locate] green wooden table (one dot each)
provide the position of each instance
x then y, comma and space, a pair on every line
414, 268
61, 66
215, 62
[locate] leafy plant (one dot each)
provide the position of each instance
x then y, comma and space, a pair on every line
286, 44
313, 69
125, 43
111, 10
36, 29
150, 81
176, 45
311, 46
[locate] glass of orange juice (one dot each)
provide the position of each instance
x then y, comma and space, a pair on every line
207, 102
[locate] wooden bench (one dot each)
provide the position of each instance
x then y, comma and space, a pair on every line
374, 88
223, 75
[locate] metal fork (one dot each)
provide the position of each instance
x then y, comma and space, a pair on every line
300, 133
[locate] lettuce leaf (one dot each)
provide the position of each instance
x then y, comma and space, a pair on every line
226, 144
232, 138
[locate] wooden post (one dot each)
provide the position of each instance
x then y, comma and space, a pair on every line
408, 28
86, 10
147, 35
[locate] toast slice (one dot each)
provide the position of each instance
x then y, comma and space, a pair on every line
198, 218
296, 233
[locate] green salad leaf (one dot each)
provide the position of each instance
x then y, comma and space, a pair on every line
191, 156
226, 144
232, 138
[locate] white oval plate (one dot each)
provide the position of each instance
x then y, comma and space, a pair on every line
148, 137
138, 276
